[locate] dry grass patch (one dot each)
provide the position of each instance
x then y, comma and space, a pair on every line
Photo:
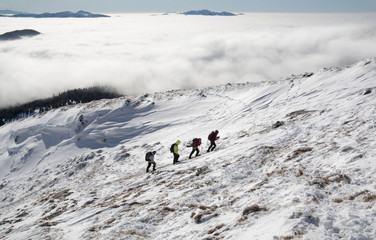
191, 206
337, 200
284, 238
253, 209
133, 233
323, 181
187, 171
212, 208
174, 184
48, 224
370, 198
62, 194
202, 216
137, 187
352, 197
111, 220
168, 209
298, 152
279, 172
202, 170
161, 182
139, 193
213, 230
300, 113
249, 210
299, 173
58, 212
140, 203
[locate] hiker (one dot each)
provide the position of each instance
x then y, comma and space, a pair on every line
149, 157
195, 144
213, 136
175, 149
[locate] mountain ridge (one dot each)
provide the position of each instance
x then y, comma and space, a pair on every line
65, 14
18, 34
206, 12
311, 176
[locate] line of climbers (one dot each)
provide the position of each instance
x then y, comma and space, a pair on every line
174, 149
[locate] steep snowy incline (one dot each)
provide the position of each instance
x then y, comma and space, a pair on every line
296, 160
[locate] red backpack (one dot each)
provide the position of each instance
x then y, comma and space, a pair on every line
196, 142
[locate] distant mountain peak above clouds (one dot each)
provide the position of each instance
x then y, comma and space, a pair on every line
65, 14
10, 12
18, 34
206, 12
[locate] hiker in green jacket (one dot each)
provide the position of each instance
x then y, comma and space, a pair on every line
175, 150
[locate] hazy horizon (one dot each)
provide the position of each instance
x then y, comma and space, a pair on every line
142, 53
370, 11
143, 6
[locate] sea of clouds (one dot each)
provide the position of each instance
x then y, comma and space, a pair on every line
144, 53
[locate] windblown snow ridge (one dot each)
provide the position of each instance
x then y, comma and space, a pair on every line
295, 160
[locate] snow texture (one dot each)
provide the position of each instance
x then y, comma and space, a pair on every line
295, 160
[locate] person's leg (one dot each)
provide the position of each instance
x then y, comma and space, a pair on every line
154, 164
147, 169
176, 158
197, 152
214, 145
211, 144
190, 155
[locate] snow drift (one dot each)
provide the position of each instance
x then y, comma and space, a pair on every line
295, 161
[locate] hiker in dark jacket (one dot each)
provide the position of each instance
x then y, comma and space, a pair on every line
149, 157
175, 150
213, 136
195, 144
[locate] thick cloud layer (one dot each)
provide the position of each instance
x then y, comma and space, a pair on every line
139, 53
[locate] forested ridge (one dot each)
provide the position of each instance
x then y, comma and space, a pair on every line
69, 97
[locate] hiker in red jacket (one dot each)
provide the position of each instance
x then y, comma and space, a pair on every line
195, 144
213, 136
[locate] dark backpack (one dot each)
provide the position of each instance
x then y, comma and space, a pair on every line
211, 136
172, 147
147, 156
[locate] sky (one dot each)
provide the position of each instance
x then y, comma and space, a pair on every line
39, 6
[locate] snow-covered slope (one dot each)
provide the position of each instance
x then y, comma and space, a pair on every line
79, 172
